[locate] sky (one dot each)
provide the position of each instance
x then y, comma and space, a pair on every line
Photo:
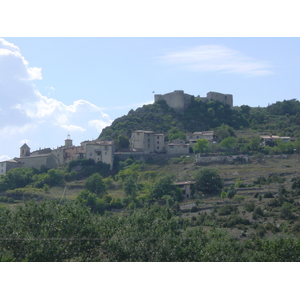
51, 87
73, 70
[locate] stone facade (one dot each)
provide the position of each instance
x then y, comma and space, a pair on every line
187, 188
177, 148
270, 140
147, 141
99, 151
224, 98
177, 100
39, 160
96, 150
5, 166
180, 101
193, 137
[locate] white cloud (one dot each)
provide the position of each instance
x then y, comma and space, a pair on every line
98, 124
13, 130
4, 157
71, 128
27, 114
216, 58
13, 61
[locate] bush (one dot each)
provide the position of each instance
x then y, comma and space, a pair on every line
227, 210
238, 198
286, 211
194, 209
268, 195
231, 192
208, 181
95, 184
249, 206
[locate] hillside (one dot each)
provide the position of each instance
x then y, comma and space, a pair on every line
281, 118
159, 117
239, 211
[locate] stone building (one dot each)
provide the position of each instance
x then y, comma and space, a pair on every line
147, 141
172, 148
99, 151
7, 165
193, 137
180, 101
224, 98
177, 100
187, 188
51, 159
270, 140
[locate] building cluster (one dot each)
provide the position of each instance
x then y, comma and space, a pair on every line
141, 141
150, 142
180, 101
97, 150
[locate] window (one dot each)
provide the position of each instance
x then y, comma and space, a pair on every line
157, 147
157, 142
158, 137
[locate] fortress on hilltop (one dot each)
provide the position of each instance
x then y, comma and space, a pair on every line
180, 101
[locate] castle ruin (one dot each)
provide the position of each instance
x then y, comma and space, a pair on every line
180, 101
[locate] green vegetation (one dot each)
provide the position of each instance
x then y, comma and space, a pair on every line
235, 211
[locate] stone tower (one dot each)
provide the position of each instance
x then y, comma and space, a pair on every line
177, 100
68, 142
24, 151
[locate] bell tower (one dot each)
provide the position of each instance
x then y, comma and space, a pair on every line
68, 141
24, 151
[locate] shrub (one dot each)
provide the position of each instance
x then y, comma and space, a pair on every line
194, 209
231, 192
95, 184
227, 210
238, 198
249, 206
208, 181
268, 195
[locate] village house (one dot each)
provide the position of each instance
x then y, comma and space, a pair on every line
178, 146
147, 142
193, 137
187, 188
7, 165
270, 140
51, 159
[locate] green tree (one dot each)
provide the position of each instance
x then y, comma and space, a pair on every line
164, 186
208, 181
129, 186
228, 143
223, 132
122, 142
254, 143
95, 184
201, 146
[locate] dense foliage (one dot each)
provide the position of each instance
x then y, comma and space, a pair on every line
136, 213
159, 117
49, 231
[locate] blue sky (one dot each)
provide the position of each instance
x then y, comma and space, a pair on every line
50, 87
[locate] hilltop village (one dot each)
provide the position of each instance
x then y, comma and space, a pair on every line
141, 142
